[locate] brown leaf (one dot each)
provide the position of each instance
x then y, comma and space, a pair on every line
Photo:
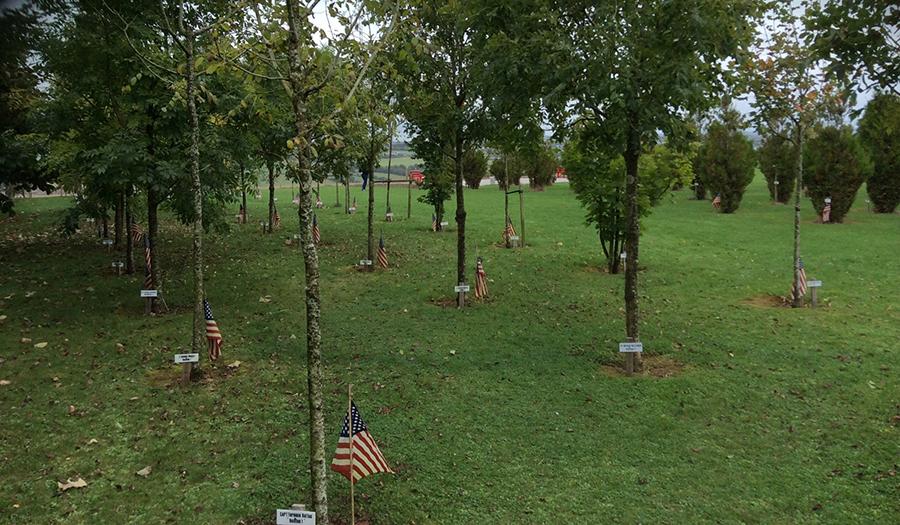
234, 364
42, 344
4, 382
144, 472
69, 484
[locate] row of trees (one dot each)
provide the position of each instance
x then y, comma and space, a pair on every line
140, 105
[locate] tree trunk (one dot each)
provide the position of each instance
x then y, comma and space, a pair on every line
199, 333
460, 213
120, 217
632, 231
797, 299
243, 193
315, 372
152, 233
270, 165
105, 225
129, 241
370, 251
337, 192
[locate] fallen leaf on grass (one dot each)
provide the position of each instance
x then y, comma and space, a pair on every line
2, 318
144, 472
71, 409
4, 382
235, 364
93, 441
266, 299
42, 344
26, 340
69, 484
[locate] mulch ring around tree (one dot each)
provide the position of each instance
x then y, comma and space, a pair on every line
779, 301
170, 376
655, 366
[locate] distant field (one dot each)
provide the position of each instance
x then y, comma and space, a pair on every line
510, 411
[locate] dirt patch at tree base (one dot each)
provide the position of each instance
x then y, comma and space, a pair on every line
170, 376
767, 301
655, 366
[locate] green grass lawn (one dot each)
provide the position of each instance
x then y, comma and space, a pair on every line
508, 411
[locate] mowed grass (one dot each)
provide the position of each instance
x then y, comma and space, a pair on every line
505, 412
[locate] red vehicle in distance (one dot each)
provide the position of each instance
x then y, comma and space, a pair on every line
417, 176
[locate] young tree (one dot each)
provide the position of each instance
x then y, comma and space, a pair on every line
598, 181
790, 94
450, 113
726, 160
879, 130
640, 69
837, 165
777, 160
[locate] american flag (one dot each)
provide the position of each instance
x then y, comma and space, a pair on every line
717, 202
509, 231
148, 264
382, 254
136, 233
277, 221
213, 336
802, 282
826, 211
357, 449
434, 223
315, 230
481, 290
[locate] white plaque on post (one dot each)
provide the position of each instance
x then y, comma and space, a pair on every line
149, 293
187, 358
461, 288
294, 517
631, 348
814, 284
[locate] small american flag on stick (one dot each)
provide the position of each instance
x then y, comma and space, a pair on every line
213, 336
315, 230
434, 223
136, 233
509, 231
801, 281
357, 450
717, 201
826, 211
382, 253
148, 264
277, 220
481, 290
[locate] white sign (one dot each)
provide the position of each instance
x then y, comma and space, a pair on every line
391, 215
514, 237
295, 517
445, 223
108, 242
630, 348
149, 293
461, 288
827, 200
365, 262
187, 358
118, 264
814, 284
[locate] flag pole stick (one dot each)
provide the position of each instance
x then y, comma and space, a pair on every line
350, 432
